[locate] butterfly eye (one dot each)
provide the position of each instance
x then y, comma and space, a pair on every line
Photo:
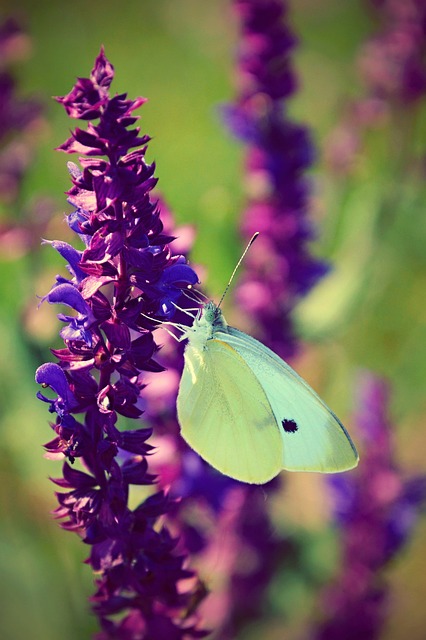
289, 426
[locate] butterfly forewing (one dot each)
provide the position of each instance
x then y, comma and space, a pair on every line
226, 416
313, 437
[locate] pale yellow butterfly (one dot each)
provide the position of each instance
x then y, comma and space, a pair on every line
247, 412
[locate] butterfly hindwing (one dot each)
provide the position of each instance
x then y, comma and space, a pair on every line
313, 437
226, 416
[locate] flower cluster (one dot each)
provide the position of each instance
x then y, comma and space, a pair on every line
124, 275
377, 508
279, 268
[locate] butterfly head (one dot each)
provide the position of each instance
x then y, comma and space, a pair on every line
212, 316
207, 323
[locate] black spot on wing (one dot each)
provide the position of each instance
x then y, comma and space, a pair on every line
289, 426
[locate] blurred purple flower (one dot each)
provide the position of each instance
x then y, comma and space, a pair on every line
393, 62
125, 275
20, 121
278, 270
244, 554
392, 66
279, 267
18, 115
377, 508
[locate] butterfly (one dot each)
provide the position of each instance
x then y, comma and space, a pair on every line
248, 413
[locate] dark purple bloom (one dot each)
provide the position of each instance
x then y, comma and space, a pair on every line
71, 255
279, 268
52, 375
376, 509
125, 275
78, 328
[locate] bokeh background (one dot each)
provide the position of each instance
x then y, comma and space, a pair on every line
368, 314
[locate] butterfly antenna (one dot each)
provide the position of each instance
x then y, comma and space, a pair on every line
253, 238
194, 295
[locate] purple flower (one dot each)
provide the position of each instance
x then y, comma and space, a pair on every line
18, 116
125, 275
377, 507
279, 268
392, 67
20, 121
392, 63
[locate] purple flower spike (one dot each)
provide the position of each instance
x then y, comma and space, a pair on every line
376, 508
392, 68
126, 275
278, 271
392, 63
19, 117
279, 268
